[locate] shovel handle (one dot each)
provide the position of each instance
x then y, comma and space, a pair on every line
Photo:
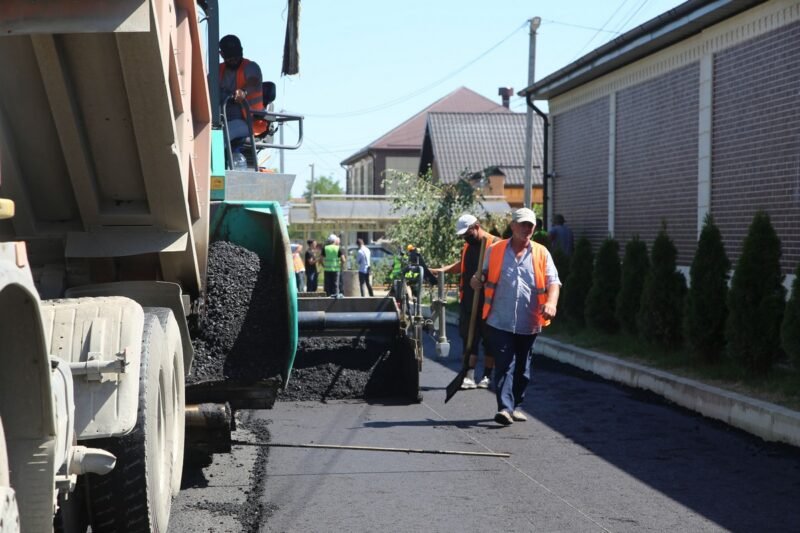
473, 316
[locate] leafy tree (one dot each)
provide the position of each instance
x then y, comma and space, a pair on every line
561, 261
706, 303
577, 285
756, 299
635, 266
659, 318
429, 213
605, 287
323, 185
790, 329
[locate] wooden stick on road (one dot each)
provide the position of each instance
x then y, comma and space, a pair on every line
368, 448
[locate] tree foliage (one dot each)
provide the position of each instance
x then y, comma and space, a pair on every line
322, 185
660, 310
706, 302
756, 299
429, 214
635, 266
600, 302
790, 329
577, 285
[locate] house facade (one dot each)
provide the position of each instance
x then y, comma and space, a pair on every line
399, 149
695, 112
460, 145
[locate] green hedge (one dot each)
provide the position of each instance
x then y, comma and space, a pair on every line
635, 266
606, 278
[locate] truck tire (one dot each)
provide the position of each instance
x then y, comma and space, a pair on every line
9, 513
177, 413
137, 495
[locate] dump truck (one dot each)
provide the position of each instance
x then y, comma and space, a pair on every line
113, 181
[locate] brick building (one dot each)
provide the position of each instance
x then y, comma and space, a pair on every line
696, 111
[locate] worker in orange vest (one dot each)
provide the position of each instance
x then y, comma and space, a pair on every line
521, 287
299, 266
469, 228
240, 80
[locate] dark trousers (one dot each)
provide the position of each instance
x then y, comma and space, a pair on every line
512, 371
363, 279
331, 283
311, 280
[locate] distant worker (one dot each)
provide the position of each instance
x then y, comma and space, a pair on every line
521, 287
299, 267
332, 263
311, 266
364, 260
469, 229
561, 235
239, 80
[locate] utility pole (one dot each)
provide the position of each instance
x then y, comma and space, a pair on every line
528, 188
280, 152
312, 182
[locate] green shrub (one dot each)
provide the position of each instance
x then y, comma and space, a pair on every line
600, 301
706, 303
634, 270
756, 299
790, 329
577, 285
659, 318
561, 260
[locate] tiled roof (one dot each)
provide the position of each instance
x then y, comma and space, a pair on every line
410, 134
476, 141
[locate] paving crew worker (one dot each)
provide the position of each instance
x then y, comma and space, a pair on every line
299, 266
469, 229
521, 287
364, 260
332, 263
311, 266
239, 79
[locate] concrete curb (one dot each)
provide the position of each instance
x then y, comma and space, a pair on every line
769, 421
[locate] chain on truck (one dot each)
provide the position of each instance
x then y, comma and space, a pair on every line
115, 174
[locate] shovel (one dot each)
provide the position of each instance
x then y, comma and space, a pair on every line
455, 385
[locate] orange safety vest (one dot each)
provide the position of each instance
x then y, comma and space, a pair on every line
491, 240
254, 99
539, 259
299, 265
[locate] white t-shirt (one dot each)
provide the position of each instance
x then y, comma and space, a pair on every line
363, 258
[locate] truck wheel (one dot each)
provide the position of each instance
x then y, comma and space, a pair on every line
137, 494
9, 513
176, 413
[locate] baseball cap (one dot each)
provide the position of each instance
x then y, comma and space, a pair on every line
524, 215
464, 222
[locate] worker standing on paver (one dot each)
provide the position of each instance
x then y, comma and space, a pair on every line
521, 288
469, 229
240, 80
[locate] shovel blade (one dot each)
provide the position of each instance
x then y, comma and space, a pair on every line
454, 386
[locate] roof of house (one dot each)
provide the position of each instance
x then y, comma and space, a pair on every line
473, 142
410, 134
675, 25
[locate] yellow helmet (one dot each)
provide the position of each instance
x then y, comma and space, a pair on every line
409, 247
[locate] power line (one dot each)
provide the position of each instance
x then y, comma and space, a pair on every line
424, 89
624, 24
602, 28
569, 24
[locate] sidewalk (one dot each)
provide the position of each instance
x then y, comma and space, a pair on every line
766, 420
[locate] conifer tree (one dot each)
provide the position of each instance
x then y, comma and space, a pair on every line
790, 329
600, 302
561, 261
756, 299
577, 286
659, 319
706, 303
634, 270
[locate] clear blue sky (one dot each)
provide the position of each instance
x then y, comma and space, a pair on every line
367, 66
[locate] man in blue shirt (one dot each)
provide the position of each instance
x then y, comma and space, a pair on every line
521, 289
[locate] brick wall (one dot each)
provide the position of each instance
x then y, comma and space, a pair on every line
656, 160
580, 189
756, 139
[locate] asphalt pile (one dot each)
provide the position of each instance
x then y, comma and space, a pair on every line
343, 368
241, 334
